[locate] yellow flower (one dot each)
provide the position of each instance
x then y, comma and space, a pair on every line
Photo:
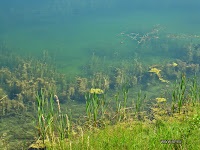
97, 91
155, 70
160, 99
174, 64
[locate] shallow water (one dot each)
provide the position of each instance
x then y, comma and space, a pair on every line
73, 31
73, 38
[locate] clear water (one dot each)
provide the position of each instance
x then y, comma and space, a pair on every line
72, 30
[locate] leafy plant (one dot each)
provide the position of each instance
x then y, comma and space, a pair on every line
194, 91
178, 95
52, 124
94, 102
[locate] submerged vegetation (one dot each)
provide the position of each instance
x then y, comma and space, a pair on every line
129, 104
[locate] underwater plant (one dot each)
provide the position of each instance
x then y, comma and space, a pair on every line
160, 99
157, 72
121, 105
178, 96
194, 91
51, 124
139, 102
94, 101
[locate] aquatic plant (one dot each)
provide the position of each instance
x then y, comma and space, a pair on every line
144, 38
194, 91
157, 124
125, 95
97, 91
178, 96
23, 80
70, 92
52, 124
125, 98
121, 103
80, 87
174, 64
163, 132
119, 77
93, 104
101, 80
138, 103
157, 72
160, 99
118, 105
10, 107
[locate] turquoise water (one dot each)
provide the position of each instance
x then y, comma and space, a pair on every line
72, 39
72, 31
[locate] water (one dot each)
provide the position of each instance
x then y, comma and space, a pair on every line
72, 31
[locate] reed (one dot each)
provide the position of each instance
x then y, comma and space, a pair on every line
194, 91
139, 101
121, 103
118, 106
178, 94
40, 115
53, 125
125, 95
88, 105
122, 113
93, 105
103, 106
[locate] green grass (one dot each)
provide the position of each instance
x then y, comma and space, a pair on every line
158, 127
180, 130
144, 135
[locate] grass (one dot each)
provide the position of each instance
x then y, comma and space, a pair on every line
181, 133
53, 126
160, 128
178, 95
